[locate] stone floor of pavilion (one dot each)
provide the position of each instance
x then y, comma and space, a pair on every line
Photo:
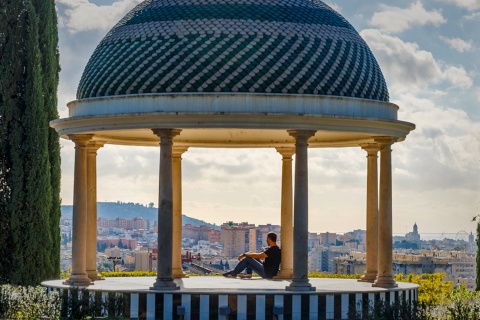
217, 297
218, 285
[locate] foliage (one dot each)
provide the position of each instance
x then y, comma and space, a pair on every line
333, 275
29, 148
399, 310
461, 304
129, 274
432, 291
28, 303
81, 304
17, 302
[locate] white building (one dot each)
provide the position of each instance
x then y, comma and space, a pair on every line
413, 236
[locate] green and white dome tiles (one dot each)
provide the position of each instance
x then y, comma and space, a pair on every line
252, 46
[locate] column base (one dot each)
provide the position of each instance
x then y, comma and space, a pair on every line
284, 275
385, 282
78, 280
178, 273
301, 285
94, 275
368, 277
165, 285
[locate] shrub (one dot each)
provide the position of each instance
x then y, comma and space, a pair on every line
28, 303
432, 291
399, 310
78, 303
462, 304
317, 274
129, 274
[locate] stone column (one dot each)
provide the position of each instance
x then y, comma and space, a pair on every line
79, 277
300, 219
177, 270
286, 271
165, 212
385, 261
91, 263
372, 213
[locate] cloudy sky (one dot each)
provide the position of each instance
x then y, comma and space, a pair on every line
429, 53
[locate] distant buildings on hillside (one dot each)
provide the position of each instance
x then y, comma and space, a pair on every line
458, 266
134, 224
205, 248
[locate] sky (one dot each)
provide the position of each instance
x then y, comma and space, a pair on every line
429, 54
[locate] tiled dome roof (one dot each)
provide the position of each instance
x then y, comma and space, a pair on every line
240, 46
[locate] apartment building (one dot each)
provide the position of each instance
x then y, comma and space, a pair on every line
235, 238
134, 224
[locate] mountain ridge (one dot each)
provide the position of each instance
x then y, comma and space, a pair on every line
130, 210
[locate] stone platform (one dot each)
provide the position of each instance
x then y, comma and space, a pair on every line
256, 298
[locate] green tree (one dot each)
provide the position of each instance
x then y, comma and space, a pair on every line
48, 43
29, 148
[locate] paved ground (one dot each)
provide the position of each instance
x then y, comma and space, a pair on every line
220, 285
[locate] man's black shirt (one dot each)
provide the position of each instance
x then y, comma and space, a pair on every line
272, 262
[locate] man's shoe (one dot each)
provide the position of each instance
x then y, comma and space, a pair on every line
229, 274
244, 275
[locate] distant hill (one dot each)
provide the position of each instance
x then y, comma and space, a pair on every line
130, 210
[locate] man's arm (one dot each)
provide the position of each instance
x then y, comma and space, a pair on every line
253, 255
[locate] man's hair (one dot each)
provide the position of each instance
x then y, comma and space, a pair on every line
272, 236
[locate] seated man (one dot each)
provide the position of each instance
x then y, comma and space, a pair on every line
251, 261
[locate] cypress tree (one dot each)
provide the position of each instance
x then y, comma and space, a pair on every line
29, 149
48, 36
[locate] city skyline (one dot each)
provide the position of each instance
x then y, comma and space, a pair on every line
428, 53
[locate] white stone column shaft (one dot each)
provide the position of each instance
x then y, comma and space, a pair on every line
286, 271
78, 276
177, 271
165, 212
91, 254
385, 261
300, 220
370, 273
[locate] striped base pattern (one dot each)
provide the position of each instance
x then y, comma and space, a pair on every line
169, 306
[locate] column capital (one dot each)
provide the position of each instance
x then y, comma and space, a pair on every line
93, 146
301, 134
177, 151
286, 152
385, 141
166, 133
371, 148
80, 138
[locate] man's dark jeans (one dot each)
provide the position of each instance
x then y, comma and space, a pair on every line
250, 263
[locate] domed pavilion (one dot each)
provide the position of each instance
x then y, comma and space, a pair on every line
284, 74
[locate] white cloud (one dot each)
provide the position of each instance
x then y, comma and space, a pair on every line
473, 16
458, 77
477, 94
459, 44
82, 15
396, 20
445, 146
408, 68
334, 6
467, 4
